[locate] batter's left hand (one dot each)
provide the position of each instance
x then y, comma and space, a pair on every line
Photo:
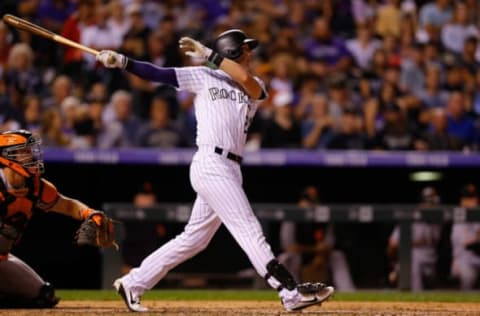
194, 48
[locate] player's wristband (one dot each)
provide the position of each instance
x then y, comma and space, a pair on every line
85, 213
215, 58
128, 64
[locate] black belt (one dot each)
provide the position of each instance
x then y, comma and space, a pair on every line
238, 159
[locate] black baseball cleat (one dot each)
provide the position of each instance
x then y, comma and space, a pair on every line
131, 300
308, 294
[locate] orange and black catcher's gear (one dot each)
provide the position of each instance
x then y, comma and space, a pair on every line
21, 151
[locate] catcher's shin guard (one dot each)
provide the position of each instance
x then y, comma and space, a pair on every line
22, 287
46, 299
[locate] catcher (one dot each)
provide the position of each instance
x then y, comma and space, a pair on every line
23, 192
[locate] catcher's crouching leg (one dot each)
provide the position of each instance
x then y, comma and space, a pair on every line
21, 287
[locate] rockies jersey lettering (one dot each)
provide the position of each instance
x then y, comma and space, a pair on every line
217, 93
223, 110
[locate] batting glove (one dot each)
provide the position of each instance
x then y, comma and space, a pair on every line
194, 48
111, 59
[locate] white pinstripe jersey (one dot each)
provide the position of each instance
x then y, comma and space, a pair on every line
223, 110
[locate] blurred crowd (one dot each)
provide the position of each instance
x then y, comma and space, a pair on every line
343, 74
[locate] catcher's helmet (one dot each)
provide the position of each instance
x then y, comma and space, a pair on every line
23, 148
229, 43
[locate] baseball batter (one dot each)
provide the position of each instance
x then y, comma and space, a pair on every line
227, 96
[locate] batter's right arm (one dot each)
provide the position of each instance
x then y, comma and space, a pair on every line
194, 48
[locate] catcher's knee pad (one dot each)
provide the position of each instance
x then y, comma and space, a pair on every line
278, 271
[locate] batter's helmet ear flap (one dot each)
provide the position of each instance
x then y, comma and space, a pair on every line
230, 43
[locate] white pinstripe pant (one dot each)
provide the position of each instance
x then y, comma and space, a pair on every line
220, 198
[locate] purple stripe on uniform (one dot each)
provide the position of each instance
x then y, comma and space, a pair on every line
152, 72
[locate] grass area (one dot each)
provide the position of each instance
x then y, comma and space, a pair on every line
269, 295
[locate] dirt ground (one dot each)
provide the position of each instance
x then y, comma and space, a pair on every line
202, 308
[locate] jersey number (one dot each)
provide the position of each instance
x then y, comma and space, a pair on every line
248, 119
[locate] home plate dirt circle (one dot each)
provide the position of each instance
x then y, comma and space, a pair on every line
253, 308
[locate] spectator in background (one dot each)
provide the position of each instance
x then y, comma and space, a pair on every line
432, 95
364, 10
51, 14
349, 133
286, 40
19, 79
433, 55
465, 238
425, 239
98, 35
325, 52
117, 21
396, 133
72, 62
160, 131
469, 62
32, 114
454, 33
412, 74
21, 71
317, 126
453, 77
135, 39
308, 86
61, 88
340, 97
339, 13
363, 46
376, 70
68, 110
388, 18
283, 74
392, 48
51, 129
459, 123
108, 134
84, 129
436, 137
121, 102
167, 26
433, 16
281, 130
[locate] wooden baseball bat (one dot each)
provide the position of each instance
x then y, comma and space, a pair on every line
24, 25
30, 27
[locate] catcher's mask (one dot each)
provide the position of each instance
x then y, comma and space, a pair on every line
21, 147
230, 43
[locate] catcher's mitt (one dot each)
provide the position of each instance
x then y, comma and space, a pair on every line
97, 230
